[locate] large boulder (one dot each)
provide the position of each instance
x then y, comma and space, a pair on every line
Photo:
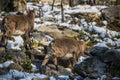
103, 61
111, 56
105, 54
98, 51
114, 68
92, 67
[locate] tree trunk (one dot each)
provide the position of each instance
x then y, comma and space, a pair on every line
117, 2
62, 11
71, 3
53, 4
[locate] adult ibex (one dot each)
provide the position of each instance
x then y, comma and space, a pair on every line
64, 48
14, 23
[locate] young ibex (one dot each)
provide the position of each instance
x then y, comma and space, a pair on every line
17, 23
64, 48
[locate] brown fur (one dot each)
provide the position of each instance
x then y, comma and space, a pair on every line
65, 48
16, 23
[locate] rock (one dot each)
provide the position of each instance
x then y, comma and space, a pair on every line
34, 54
92, 67
37, 63
51, 30
14, 55
116, 78
54, 32
103, 61
64, 71
52, 70
63, 77
40, 38
114, 69
3, 71
111, 13
111, 55
69, 33
92, 17
89, 78
2, 59
15, 66
98, 51
46, 78
78, 78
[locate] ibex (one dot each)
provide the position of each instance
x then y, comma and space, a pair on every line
14, 23
64, 48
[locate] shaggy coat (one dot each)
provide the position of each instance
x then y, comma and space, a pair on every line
17, 24
65, 48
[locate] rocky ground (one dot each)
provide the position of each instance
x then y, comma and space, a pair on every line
81, 22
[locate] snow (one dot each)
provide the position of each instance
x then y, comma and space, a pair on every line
36, 26
21, 75
116, 78
34, 68
52, 78
15, 44
118, 50
46, 8
117, 43
30, 5
28, 76
12, 12
110, 41
37, 20
64, 77
105, 22
49, 38
101, 45
6, 64
82, 58
102, 77
83, 9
